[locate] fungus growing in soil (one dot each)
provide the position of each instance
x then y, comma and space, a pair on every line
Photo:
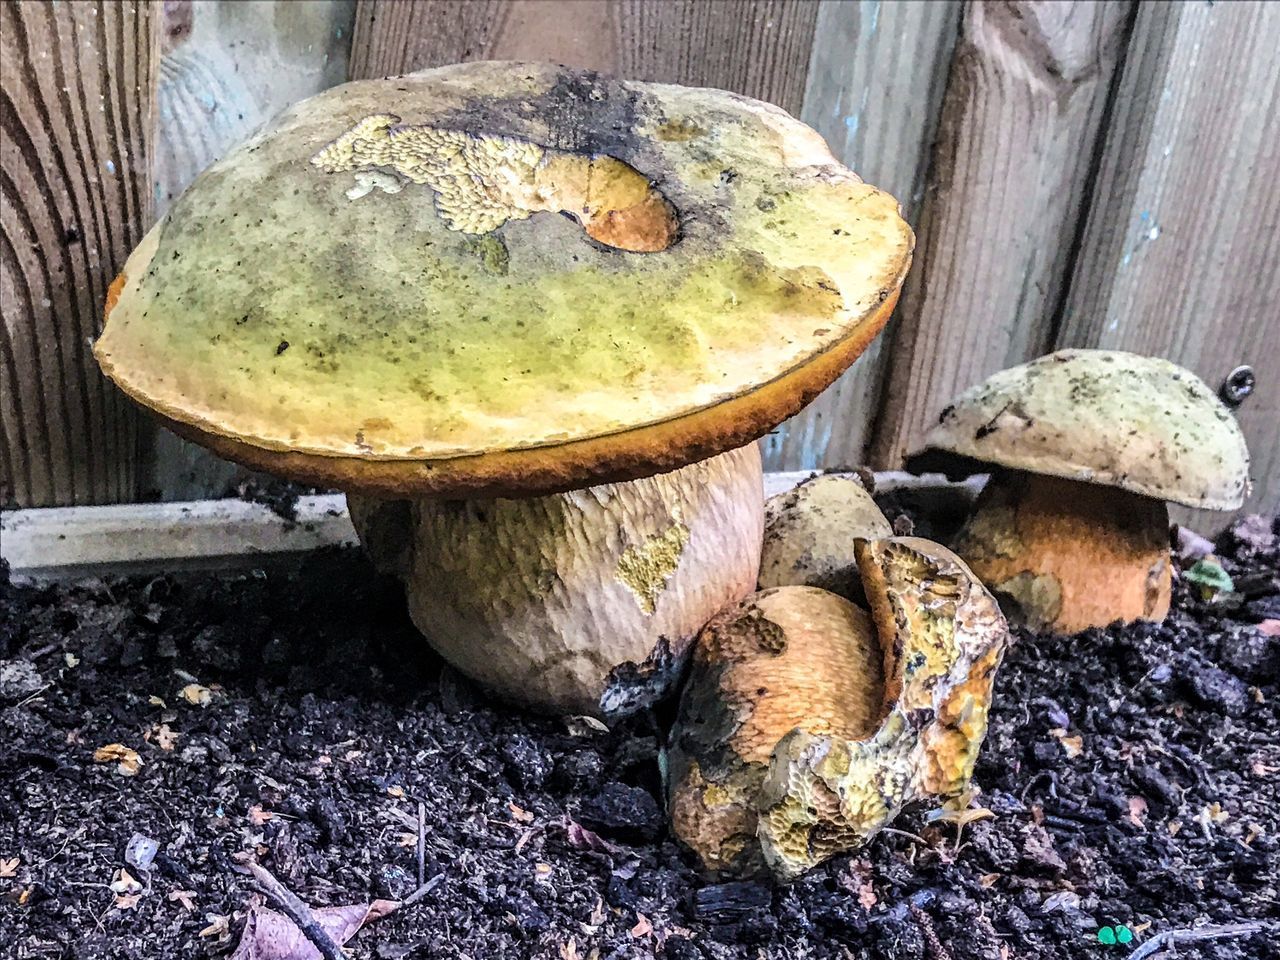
1085, 447
809, 532
808, 723
531, 319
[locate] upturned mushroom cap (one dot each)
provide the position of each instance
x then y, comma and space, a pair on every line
1142, 424
806, 725
809, 532
378, 291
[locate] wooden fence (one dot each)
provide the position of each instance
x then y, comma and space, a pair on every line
1079, 174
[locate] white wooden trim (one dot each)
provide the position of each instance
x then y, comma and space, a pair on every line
62, 542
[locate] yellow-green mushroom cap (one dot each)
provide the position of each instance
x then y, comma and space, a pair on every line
1107, 417
500, 278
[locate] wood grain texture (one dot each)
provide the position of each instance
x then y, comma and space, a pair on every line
227, 68
76, 116
874, 91
1021, 115
1180, 257
758, 48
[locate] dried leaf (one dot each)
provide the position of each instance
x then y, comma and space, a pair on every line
258, 816
1073, 745
988, 880
9, 868
643, 927
125, 883
584, 839
218, 926
520, 814
1269, 628
1138, 811
164, 737
126, 901
185, 897
157, 702
196, 695
273, 936
128, 759
395, 791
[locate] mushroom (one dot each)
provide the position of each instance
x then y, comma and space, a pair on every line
807, 724
531, 319
1085, 447
809, 533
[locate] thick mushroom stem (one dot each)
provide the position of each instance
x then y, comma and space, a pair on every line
1063, 555
579, 602
807, 725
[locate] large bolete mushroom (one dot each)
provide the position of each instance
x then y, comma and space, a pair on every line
1085, 447
807, 724
520, 281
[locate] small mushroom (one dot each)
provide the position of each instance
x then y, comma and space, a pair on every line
809, 533
531, 319
807, 723
1085, 447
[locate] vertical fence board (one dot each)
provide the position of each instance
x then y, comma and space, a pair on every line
225, 69
76, 120
1181, 254
759, 49
1024, 103
874, 91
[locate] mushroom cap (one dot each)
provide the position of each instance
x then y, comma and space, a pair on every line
809, 533
1117, 419
375, 291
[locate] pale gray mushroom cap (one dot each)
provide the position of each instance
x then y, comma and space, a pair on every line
1117, 419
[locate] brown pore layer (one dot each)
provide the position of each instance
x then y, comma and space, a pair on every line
536, 471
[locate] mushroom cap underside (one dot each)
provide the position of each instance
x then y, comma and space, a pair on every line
1108, 417
442, 272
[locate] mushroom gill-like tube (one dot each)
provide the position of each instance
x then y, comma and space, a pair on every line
807, 724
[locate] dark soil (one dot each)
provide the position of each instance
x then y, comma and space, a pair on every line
1132, 773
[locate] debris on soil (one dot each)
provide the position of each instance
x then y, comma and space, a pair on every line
1130, 781
278, 496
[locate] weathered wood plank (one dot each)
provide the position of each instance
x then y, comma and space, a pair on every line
226, 68
66, 542
760, 49
1021, 115
874, 91
1181, 254
77, 121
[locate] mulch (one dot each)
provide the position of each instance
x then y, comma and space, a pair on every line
1132, 776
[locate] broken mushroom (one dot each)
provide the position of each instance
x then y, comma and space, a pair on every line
809, 532
531, 319
1085, 447
807, 723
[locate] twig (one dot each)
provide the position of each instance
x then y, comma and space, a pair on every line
1171, 938
925, 924
422, 843
421, 892
297, 911
23, 703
